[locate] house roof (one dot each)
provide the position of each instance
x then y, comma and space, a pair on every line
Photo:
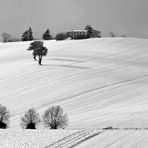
79, 30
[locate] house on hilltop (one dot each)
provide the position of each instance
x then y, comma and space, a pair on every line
77, 34
83, 34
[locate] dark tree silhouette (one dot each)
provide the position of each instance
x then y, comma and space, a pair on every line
30, 119
89, 31
30, 34
38, 50
61, 36
46, 35
27, 35
34, 46
4, 117
55, 118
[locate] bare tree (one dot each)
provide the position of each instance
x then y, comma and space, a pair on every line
30, 119
6, 37
4, 117
55, 118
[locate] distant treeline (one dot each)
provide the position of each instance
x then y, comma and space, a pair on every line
87, 32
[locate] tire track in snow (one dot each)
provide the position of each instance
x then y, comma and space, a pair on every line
99, 88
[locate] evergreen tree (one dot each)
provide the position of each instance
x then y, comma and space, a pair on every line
24, 36
30, 34
46, 35
27, 35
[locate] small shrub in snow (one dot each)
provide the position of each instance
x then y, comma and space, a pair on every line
30, 119
110, 128
61, 36
4, 117
55, 118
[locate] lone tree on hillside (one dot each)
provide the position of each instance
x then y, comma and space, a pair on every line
27, 35
4, 117
55, 118
38, 50
30, 119
46, 35
6, 37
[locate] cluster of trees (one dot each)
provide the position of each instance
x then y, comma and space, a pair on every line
53, 118
28, 35
91, 33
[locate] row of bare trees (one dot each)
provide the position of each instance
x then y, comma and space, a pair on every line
53, 118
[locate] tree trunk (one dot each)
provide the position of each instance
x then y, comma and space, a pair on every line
3, 125
31, 126
40, 60
34, 58
34, 55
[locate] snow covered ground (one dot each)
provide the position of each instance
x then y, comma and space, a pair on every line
44, 138
31, 138
118, 139
98, 82
73, 138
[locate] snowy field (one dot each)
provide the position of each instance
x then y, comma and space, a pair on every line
98, 83
44, 138
118, 139
31, 138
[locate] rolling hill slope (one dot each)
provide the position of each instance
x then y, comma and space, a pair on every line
98, 82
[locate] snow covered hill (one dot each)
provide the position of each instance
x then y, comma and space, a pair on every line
98, 82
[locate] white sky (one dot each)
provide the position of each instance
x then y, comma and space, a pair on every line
127, 17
